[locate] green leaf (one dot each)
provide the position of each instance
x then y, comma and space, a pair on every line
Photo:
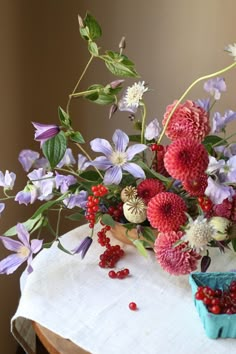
152, 172
103, 99
233, 241
148, 233
214, 139
75, 217
77, 137
119, 69
92, 176
54, 149
48, 244
135, 138
59, 245
48, 205
29, 224
107, 220
140, 247
94, 28
64, 118
93, 48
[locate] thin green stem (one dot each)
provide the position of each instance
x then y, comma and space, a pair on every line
144, 116
187, 91
89, 158
58, 222
83, 93
227, 138
76, 86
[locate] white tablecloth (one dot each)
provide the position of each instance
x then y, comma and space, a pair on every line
76, 299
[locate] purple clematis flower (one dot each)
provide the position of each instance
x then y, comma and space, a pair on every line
8, 180
64, 182
217, 192
227, 151
83, 162
43, 182
215, 87
204, 103
118, 159
219, 122
83, 246
152, 130
45, 131
68, 159
27, 158
28, 195
2, 207
24, 250
76, 200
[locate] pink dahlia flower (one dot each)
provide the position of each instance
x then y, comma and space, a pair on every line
177, 260
186, 159
166, 211
189, 120
148, 188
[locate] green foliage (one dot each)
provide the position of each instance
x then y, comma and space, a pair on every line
107, 220
64, 118
77, 137
54, 149
119, 65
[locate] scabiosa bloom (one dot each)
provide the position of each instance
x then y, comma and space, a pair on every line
198, 233
83, 246
186, 159
166, 211
188, 120
149, 188
24, 250
132, 97
118, 159
196, 186
8, 180
215, 87
45, 131
177, 260
152, 130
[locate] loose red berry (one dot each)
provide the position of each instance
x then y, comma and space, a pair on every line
132, 306
112, 274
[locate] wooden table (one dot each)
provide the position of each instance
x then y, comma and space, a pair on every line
56, 344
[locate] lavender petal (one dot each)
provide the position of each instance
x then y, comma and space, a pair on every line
134, 170
101, 145
120, 140
113, 175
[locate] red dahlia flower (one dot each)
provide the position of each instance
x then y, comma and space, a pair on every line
166, 211
176, 260
148, 188
188, 120
186, 159
196, 186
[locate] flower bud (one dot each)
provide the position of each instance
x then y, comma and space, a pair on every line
116, 83
122, 43
221, 226
81, 22
112, 110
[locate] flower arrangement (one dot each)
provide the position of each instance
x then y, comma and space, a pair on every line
179, 197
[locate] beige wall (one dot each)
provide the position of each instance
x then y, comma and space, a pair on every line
172, 41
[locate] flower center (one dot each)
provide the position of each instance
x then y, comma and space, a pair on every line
23, 252
118, 158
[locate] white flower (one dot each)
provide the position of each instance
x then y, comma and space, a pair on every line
152, 130
199, 233
221, 226
231, 49
134, 94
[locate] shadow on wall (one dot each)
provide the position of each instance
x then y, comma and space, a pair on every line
42, 55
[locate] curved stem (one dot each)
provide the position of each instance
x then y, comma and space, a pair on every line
187, 91
143, 122
58, 222
89, 158
76, 86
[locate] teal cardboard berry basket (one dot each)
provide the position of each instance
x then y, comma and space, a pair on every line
216, 326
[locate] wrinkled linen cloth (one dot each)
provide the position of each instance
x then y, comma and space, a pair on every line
77, 300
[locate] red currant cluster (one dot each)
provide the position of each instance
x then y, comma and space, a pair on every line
116, 212
218, 301
112, 254
92, 203
121, 274
205, 203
